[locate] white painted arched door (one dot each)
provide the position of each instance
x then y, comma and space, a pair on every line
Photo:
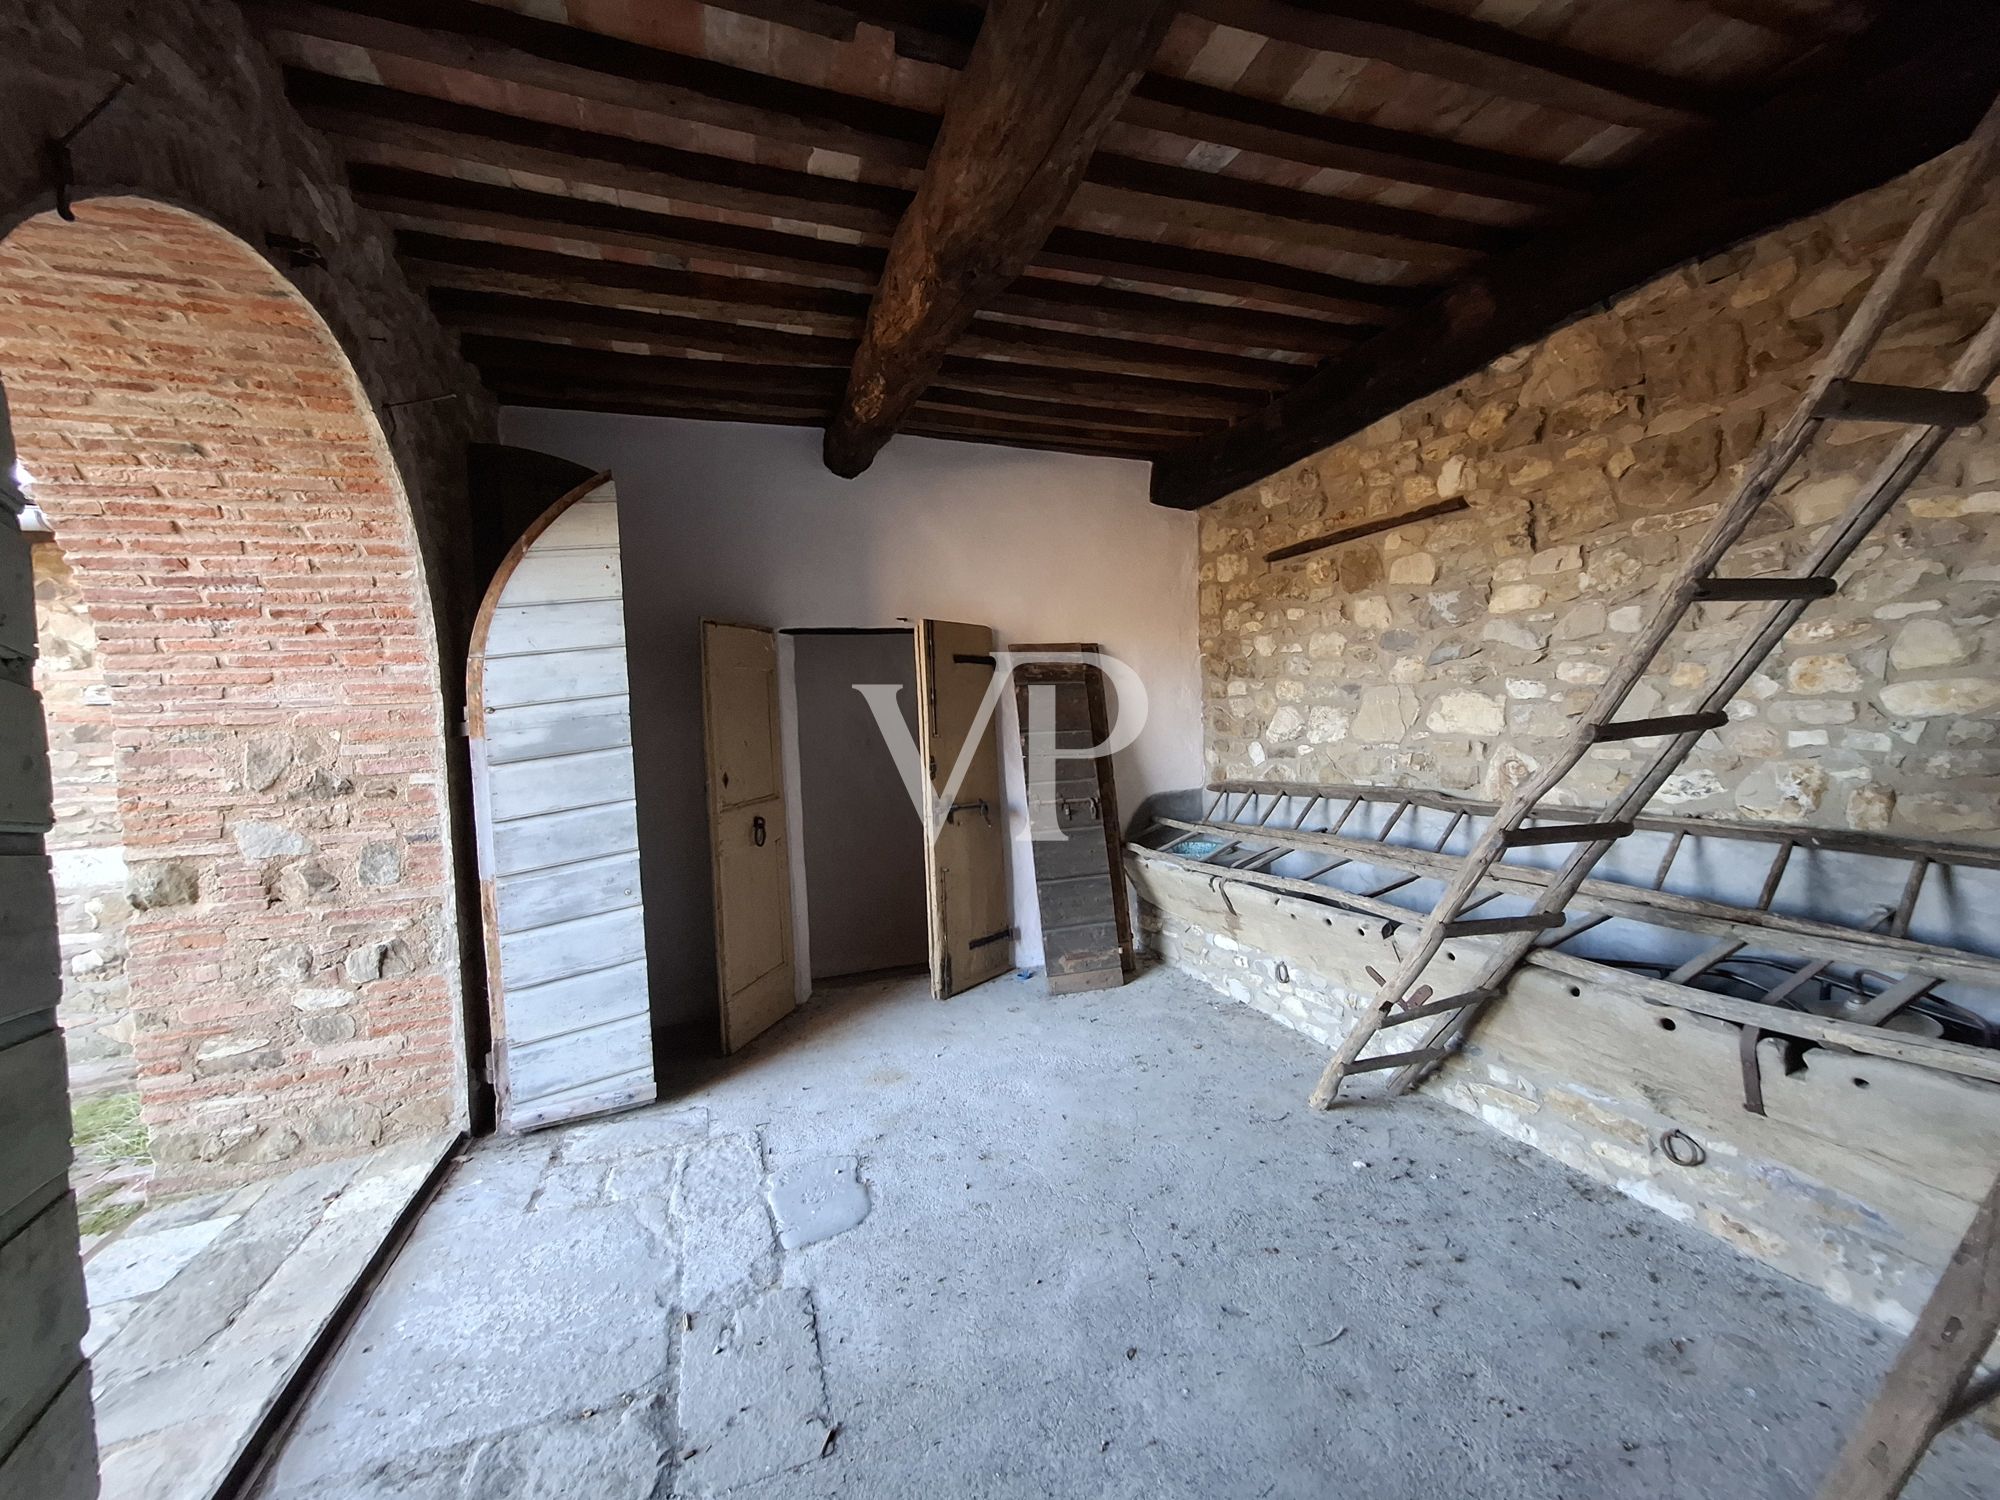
551, 729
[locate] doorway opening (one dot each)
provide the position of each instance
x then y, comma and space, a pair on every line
238, 678
863, 840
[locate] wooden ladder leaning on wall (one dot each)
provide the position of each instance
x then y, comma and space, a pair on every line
1929, 416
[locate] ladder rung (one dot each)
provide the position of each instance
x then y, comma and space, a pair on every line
1566, 833
1766, 588
1639, 729
1438, 1007
1399, 1059
1530, 921
1915, 405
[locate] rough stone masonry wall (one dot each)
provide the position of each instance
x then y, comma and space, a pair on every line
87, 845
202, 122
193, 436
1455, 653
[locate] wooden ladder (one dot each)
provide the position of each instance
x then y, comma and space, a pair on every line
1928, 416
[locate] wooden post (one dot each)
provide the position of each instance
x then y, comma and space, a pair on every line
1922, 1390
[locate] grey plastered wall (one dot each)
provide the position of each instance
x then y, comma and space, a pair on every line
46, 1445
863, 843
742, 522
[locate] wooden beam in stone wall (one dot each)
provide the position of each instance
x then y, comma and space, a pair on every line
1045, 79
1916, 84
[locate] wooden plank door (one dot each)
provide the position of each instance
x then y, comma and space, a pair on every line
1079, 848
47, 1448
965, 828
747, 829
553, 793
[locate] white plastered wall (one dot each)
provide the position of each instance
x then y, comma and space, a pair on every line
741, 522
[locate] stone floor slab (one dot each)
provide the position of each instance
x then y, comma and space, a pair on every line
184, 1373
752, 1397
1109, 1253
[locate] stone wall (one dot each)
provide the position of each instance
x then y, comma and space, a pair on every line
269, 678
1454, 653
201, 123
87, 845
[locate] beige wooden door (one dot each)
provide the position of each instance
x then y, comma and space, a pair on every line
965, 848
554, 797
747, 829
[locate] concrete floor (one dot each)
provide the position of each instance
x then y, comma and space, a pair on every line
1103, 1250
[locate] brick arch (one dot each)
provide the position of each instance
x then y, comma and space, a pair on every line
242, 540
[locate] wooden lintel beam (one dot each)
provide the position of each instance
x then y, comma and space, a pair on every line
1044, 81
1848, 130
1480, 54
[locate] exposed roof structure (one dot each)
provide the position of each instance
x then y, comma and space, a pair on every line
1299, 217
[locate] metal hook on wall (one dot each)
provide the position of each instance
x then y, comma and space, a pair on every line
62, 169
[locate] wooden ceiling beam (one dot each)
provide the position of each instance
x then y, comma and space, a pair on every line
687, 411
1215, 203
697, 294
494, 42
932, 31
520, 272
1480, 54
987, 338
945, 420
801, 412
1179, 106
464, 202
1829, 22
1406, 34
513, 332
498, 43
500, 312
1161, 430
1124, 393
583, 375
394, 117
446, 202
1164, 263
530, 359
1044, 81
1110, 310
1916, 84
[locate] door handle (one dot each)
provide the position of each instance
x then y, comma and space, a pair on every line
757, 831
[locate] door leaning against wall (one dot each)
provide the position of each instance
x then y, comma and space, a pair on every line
551, 729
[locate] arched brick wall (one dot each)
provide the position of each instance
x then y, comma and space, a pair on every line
223, 494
